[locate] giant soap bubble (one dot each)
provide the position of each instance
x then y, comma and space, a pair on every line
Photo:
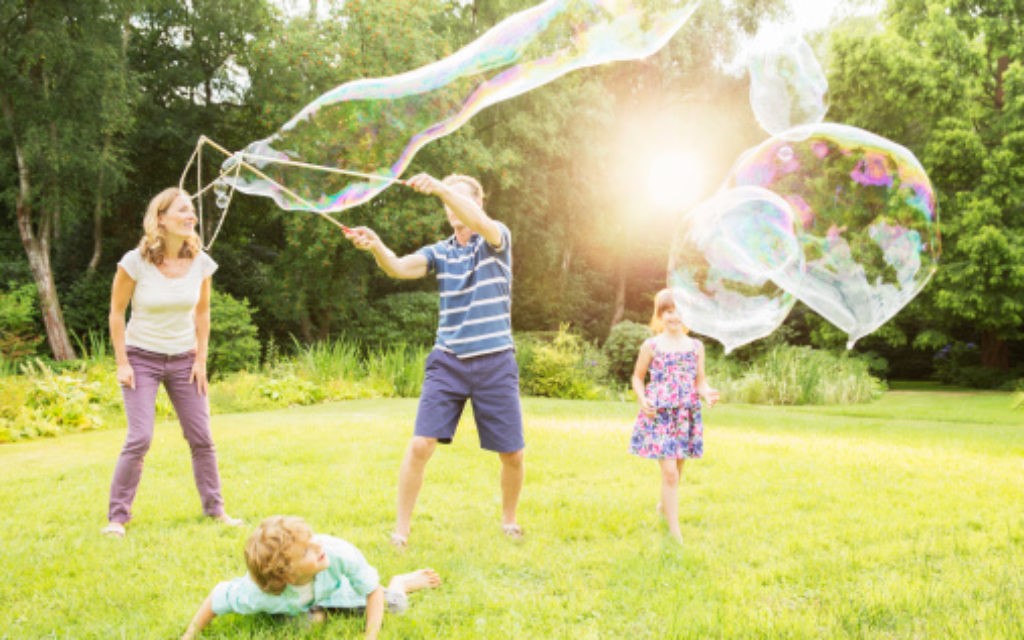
787, 84
865, 219
363, 134
724, 254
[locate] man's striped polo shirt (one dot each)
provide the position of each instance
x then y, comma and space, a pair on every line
475, 283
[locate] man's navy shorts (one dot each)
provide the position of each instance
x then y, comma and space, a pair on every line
490, 382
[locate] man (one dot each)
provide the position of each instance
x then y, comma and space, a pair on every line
473, 356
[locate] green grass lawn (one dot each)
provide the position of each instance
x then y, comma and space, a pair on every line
898, 519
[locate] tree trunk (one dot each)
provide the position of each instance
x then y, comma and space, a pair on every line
97, 223
563, 281
619, 310
37, 248
994, 353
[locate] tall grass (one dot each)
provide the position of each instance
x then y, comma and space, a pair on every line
796, 375
329, 360
400, 367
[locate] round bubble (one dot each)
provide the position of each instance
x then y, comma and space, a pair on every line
865, 219
787, 84
223, 201
723, 257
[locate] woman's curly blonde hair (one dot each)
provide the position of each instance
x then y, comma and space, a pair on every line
273, 547
153, 246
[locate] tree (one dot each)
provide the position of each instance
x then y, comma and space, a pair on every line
56, 58
946, 80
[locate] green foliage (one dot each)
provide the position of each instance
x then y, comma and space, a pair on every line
400, 318
233, 343
959, 363
795, 375
565, 366
86, 304
622, 347
19, 314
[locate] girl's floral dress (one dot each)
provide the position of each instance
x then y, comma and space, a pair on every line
676, 430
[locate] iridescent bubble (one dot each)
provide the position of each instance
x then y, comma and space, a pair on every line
223, 201
866, 221
368, 130
787, 84
723, 257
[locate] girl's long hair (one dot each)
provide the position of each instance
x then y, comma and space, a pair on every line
153, 245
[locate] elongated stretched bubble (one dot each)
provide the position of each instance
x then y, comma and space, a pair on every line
375, 126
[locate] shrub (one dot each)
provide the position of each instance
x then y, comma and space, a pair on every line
233, 343
797, 375
621, 348
564, 367
86, 304
400, 318
19, 337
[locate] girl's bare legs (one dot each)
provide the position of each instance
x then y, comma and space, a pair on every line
671, 470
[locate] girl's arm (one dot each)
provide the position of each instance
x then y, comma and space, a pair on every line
374, 613
643, 361
202, 313
703, 388
120, 294
201, 619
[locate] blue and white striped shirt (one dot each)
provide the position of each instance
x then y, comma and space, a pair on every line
475, 282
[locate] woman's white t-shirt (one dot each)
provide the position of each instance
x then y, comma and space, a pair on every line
163, 309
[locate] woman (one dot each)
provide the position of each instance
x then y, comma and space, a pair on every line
167, 279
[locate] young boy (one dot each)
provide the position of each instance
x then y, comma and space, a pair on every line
294, 571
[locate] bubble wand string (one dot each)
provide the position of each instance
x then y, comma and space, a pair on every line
197, 159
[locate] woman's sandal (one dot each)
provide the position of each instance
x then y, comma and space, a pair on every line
513, 531
227, 520
113, 530
399, 541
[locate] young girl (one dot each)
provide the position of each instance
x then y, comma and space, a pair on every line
668, 428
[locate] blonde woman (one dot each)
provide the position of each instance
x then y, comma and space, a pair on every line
167, 280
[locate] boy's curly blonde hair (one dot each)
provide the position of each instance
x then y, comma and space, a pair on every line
271, 549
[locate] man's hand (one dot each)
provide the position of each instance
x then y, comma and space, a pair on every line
362, 238
426, 183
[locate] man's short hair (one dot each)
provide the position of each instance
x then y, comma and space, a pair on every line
473, 183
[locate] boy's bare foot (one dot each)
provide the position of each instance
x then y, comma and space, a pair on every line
421, 579
398, 541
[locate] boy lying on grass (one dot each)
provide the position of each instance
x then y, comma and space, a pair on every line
293, 571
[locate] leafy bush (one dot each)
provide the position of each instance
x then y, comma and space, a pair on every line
233, 343
959, 363
86, 304
622, 347
400, 318
797, 375
19, 311
564, 367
